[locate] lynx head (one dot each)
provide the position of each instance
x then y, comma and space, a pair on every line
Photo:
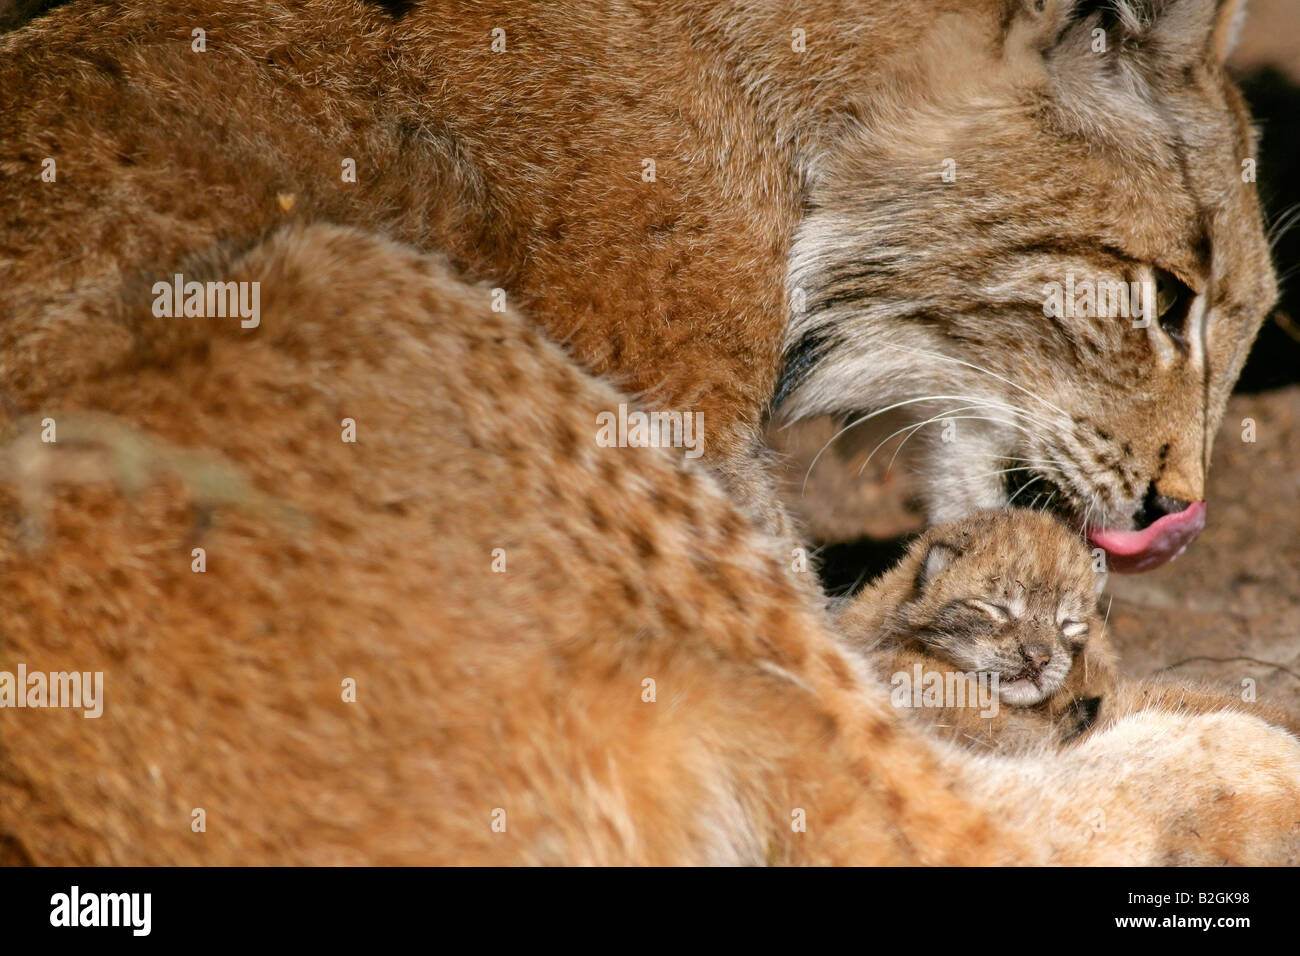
1011, 593
1047, 244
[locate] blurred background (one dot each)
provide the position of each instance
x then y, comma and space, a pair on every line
1228, 610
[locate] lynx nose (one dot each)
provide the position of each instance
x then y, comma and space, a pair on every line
1155, 506
1035, 655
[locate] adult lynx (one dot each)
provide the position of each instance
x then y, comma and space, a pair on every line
469, 632
722, 206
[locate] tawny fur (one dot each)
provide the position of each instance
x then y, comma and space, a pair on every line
477, 691
775, 170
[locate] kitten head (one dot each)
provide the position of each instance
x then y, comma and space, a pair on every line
1011, 593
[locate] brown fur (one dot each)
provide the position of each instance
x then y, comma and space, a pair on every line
1184, 698
525, 168
536, 198
476, 691
326, 561
520, 690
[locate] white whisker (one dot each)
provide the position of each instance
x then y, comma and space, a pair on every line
977, 368
989, 474
985, 402
943, 416
1027, 484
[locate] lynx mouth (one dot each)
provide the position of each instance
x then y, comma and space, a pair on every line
1127, 551
1022, 689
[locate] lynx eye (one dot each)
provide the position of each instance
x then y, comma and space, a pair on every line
1173, 303
997, 612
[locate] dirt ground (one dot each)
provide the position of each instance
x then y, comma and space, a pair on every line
1235, 594
1228, 610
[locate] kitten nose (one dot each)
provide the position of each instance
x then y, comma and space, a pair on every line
1035, 655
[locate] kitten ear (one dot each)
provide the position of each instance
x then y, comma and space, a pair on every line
939, 556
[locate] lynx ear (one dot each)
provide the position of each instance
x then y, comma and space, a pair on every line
1153, 33
1190, 30
1109, 63
939, 556
1227, 28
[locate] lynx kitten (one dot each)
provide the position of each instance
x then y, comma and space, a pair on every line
989, 630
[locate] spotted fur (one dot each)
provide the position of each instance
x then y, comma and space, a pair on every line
477, 691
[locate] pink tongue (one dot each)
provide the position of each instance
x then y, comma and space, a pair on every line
1161, 541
